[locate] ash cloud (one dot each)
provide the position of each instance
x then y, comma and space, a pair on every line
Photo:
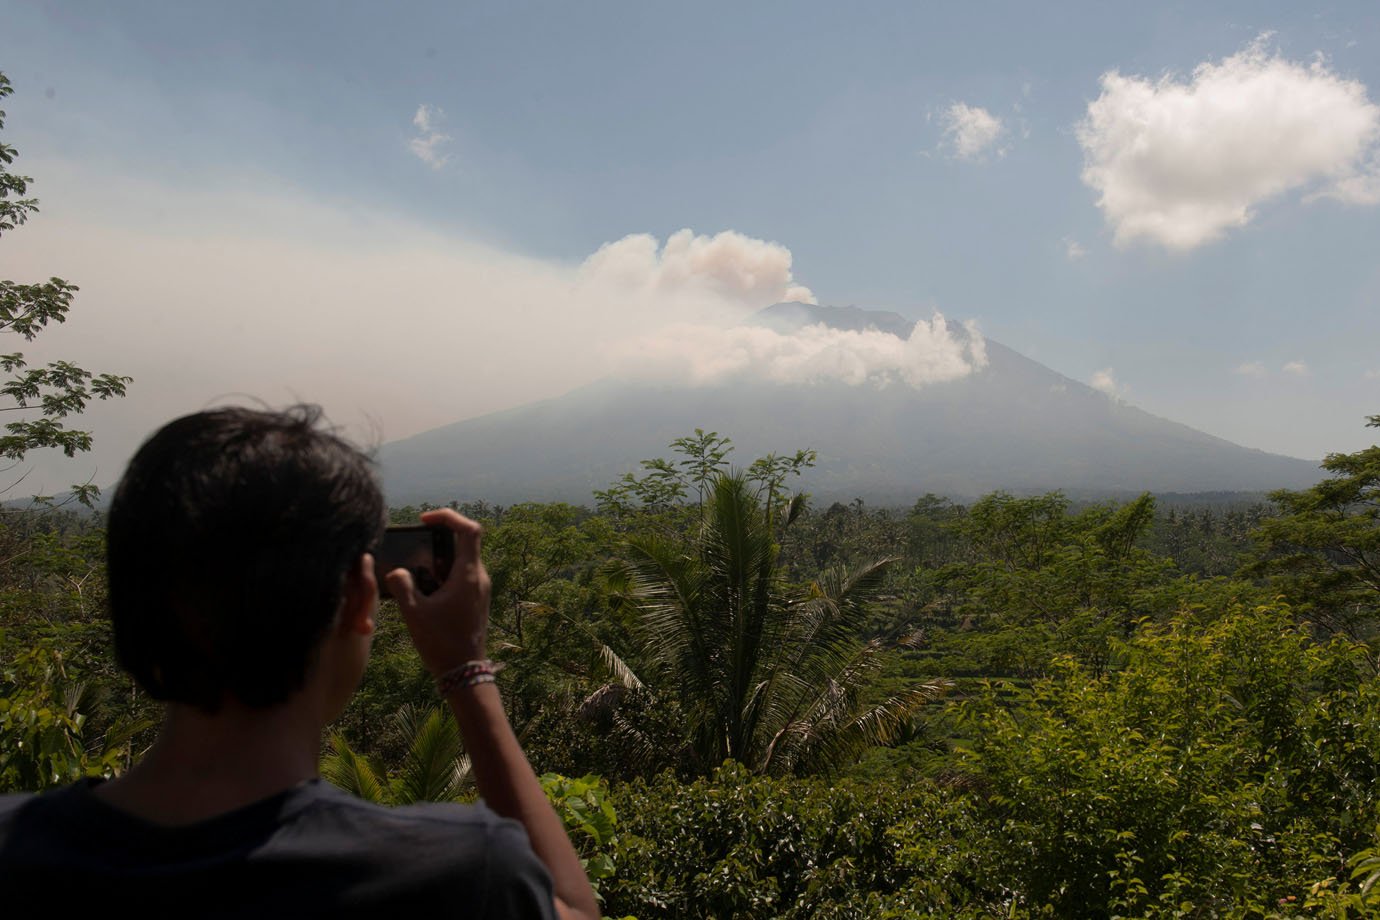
728, 266
401, 328
934, 352
692, 292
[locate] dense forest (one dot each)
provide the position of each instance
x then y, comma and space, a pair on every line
748, 706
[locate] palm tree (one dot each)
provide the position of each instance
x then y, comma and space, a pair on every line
434, 769
766, 674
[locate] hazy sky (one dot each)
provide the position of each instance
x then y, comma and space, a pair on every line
415, 213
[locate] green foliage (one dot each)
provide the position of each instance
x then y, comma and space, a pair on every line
1351, 893
661, 488
590, 820
1323, 551
60, 388
770, 474
1039, 581
1227, 768
395, 679
705, 455
1165, 745
433, 767
14, 209
1230, 762
703, 458
531, 553
765, 674
1208, 541
46, 733
737, 845
842, 536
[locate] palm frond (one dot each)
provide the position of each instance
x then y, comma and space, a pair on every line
602, 701
836, 741
353, 772
79, 697
677, 634
914, 639
431, 771
618, 668
821, 704
818, 652
121, 732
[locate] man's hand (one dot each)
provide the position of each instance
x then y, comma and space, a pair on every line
450, 626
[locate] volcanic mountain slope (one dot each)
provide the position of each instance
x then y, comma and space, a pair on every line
1014, 425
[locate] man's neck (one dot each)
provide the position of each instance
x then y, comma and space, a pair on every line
202, 766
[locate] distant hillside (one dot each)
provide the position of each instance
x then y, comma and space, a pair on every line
1014, 425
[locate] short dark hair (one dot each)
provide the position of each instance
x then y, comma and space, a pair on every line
229, 541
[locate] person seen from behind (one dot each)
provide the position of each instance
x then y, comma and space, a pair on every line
243, 596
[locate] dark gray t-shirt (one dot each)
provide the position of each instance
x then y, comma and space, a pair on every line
312, 850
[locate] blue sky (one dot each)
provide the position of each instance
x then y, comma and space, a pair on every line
451, 168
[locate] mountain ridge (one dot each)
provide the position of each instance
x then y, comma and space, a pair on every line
1014, 425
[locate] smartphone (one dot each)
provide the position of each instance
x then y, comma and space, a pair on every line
426, 552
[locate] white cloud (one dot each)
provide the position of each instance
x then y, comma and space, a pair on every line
1297, 368
704, 354
1074, 250
726, 266
426, 146
1180, 162
971, 130
1105, 381
1372, 374
1251, 369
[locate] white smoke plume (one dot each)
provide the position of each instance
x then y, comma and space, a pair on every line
703, 354
1106, 382
1180, 162
728, 265
698, 287
264, 294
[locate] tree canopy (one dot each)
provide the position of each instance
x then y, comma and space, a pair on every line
43, 397
1324, 549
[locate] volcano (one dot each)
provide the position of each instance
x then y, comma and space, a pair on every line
1012, 424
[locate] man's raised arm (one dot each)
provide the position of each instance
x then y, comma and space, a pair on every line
449, 629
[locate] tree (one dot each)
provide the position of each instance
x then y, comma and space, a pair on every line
1323, 552
704, 456
766, 674
1041, 580
60, 388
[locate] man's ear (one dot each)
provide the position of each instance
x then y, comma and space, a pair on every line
361, 598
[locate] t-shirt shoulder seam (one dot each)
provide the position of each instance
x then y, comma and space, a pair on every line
468, 813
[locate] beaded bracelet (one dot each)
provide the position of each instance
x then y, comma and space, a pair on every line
469, 674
